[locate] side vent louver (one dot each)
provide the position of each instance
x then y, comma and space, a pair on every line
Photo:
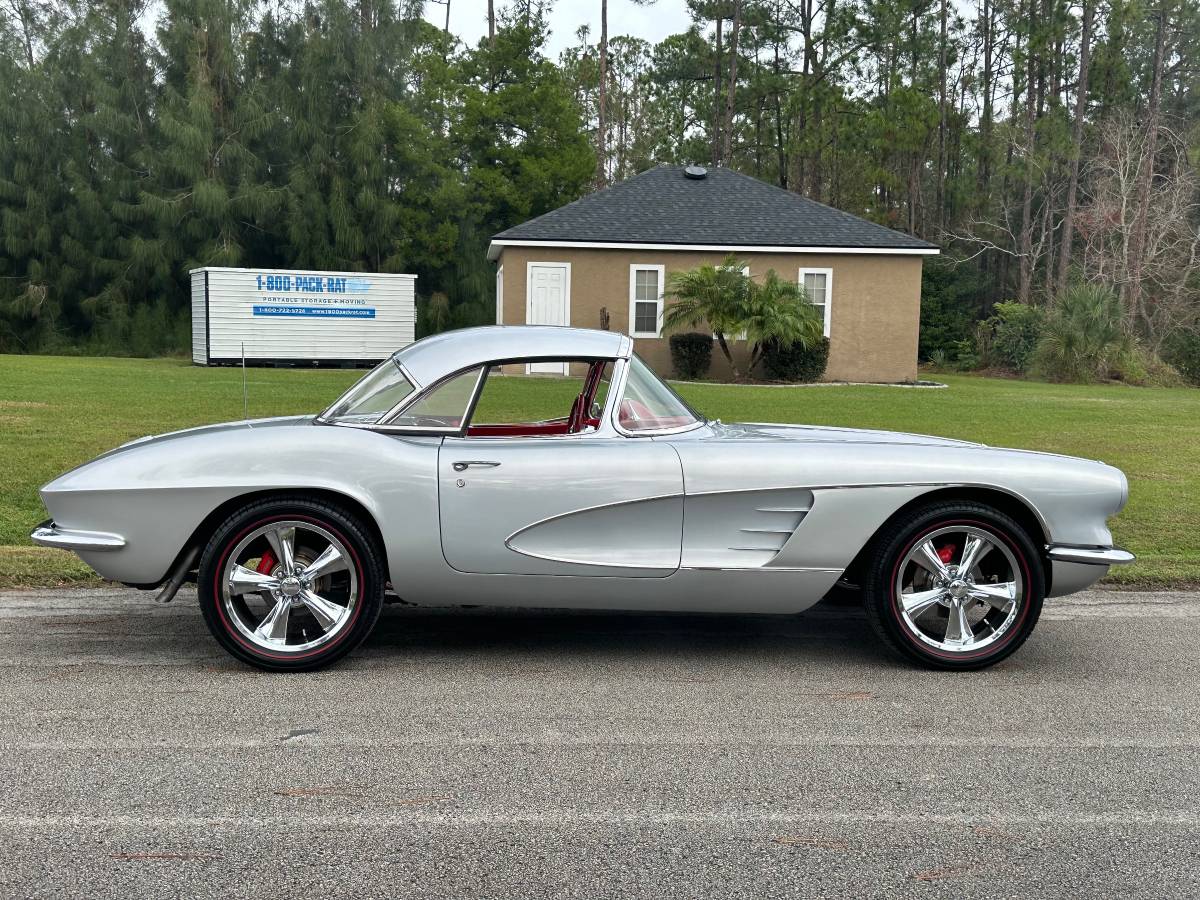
742, 529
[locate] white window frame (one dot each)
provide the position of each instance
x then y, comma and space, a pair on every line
500, 296
634, 268
828, 273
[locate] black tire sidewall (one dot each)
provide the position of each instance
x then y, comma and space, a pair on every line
880, 591
338, 522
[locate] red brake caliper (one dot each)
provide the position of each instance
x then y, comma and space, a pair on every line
267, 563
945, 554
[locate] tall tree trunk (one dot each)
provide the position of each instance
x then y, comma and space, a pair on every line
26, 17
492, 22
801, 130
727, 143
1068, 223
715, 147
984, 177
816, 168
1137, 243
780, 149
1025, 249
602, 130
941, 158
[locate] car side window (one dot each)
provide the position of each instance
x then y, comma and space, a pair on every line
540, 399
444, 407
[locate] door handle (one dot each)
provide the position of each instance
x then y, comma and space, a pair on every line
464, 464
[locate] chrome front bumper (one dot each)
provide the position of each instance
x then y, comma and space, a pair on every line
50, 535
1091, 556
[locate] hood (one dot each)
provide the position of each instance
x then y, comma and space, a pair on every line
276, 422
764, 431
167, 437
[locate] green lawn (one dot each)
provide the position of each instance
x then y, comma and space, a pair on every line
56, 412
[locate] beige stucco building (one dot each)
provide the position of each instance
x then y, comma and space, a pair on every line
604, 261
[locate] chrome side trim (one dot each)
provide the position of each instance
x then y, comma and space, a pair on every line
1094, 556
765, 568
1037, 513
50, 535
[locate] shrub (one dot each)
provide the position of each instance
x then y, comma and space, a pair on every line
1182, 350
958, 356
796, 362
965, 356
1083, 335
691, 354
1141, 367
1009, 337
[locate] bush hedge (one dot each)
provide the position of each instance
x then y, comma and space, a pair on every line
691, 354
1183, 352
1009, 337
796, 362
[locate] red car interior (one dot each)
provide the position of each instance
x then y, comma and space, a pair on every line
635, 416
575, 422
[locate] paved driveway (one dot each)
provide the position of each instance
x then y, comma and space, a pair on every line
523, 754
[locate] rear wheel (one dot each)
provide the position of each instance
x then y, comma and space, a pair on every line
954, 586
291, 584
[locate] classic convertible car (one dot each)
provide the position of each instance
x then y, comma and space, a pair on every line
456, 472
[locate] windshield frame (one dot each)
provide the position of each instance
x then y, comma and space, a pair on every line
326, 416
614, 410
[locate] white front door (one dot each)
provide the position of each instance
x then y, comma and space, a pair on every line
548, 303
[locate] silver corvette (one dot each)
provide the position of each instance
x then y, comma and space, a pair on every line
432, 480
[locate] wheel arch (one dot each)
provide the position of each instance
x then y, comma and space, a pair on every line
1015, 507
209, 524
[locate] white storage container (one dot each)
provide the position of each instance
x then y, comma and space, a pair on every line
284, 316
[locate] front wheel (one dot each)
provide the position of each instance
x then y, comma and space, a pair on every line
954, 586
291, 584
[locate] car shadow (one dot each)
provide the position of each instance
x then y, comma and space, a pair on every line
831, 630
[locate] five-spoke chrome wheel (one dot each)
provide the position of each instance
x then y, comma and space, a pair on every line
289, 586
959, 589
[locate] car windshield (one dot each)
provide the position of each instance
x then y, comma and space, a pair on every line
377, 392
649, 404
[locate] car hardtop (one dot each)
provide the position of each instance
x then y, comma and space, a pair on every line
440, 355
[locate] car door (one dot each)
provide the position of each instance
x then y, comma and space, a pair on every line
563, 505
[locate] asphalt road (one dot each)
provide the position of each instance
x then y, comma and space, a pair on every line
520, 754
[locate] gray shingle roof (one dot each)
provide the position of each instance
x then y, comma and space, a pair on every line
726, 209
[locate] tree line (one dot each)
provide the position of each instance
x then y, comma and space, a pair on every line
327, 135
1041, 143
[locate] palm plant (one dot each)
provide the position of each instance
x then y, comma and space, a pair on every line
717, 295
776, 311
1083, 335
780, 313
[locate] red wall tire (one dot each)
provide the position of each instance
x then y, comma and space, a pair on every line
364, 561
893, 548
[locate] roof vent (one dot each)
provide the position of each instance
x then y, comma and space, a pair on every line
695, 172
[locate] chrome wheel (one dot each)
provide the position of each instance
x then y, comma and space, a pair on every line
959, 589
289, 586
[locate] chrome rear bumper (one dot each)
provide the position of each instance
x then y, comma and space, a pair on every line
50, 535
1092, 556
